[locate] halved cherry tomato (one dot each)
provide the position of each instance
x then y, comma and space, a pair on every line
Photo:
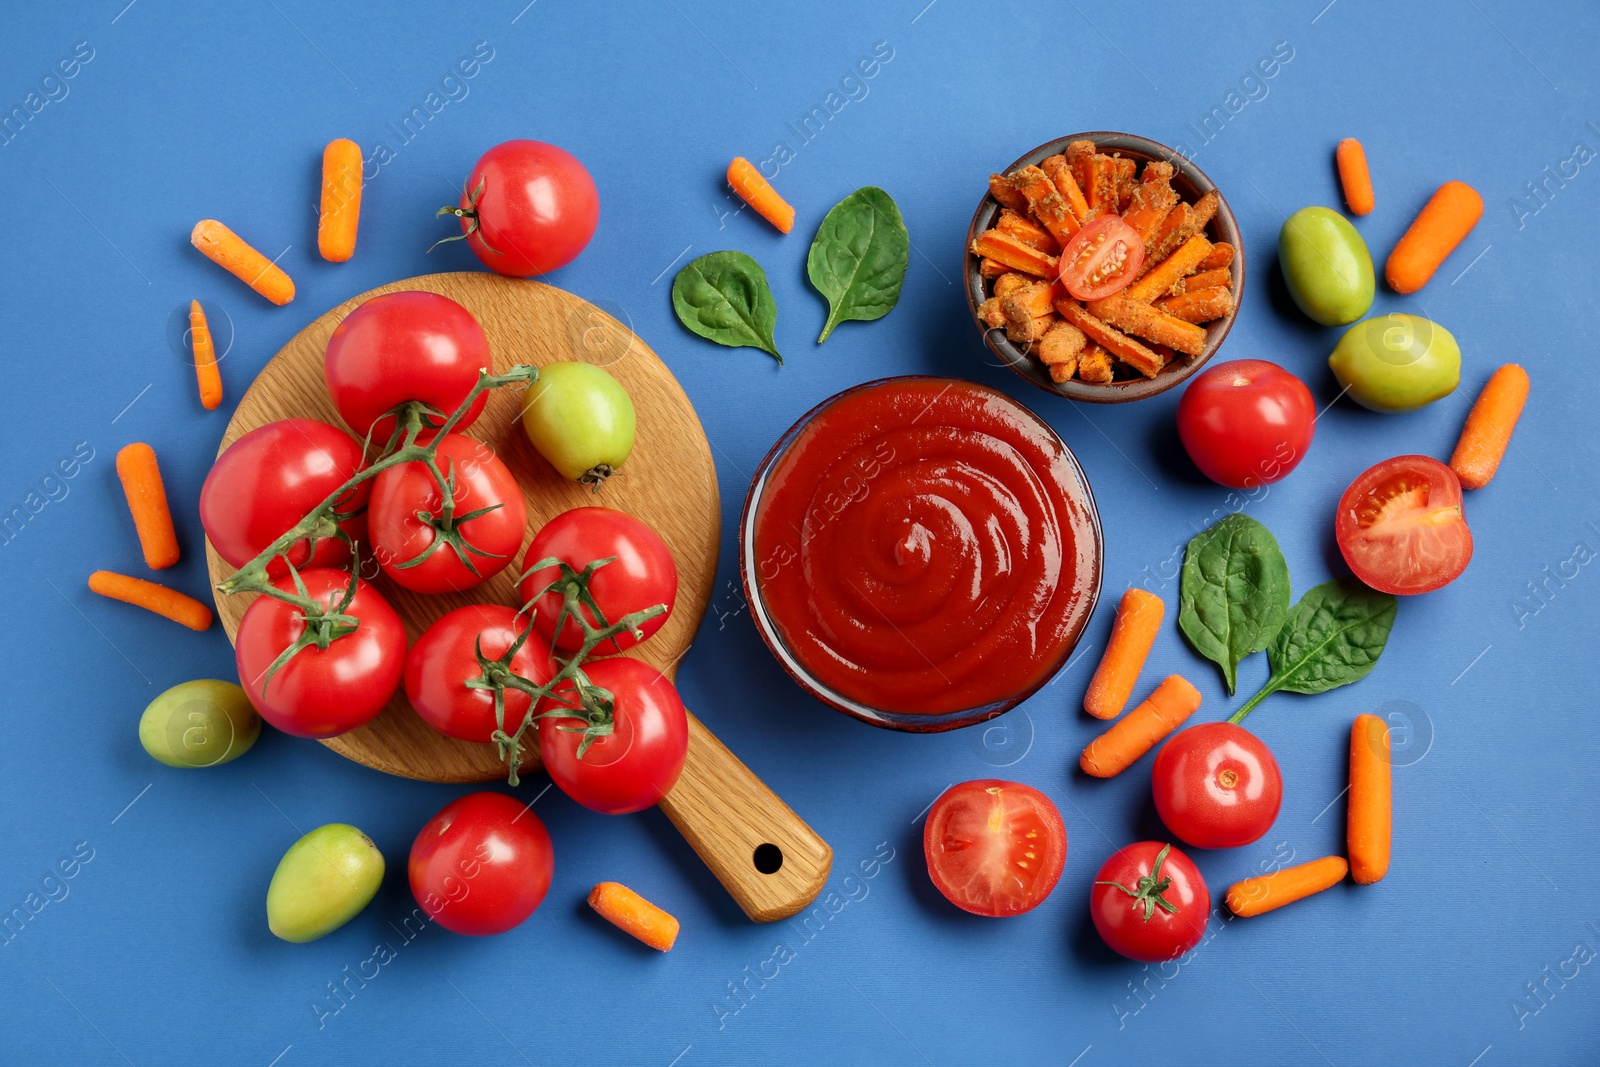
1102, 258
444, 659
1150, 903
1217, 786
994, 848
1400, 526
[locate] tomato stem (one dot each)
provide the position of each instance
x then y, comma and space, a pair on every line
1147, 891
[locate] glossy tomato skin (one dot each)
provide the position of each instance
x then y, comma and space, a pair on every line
994, 848
482, 865
481, 480
444, 659
321, 692
642, 575
1102, 258
1246, 423
404, 346
638, 764
536, 210
1217, 786
1401, 526
1120, 919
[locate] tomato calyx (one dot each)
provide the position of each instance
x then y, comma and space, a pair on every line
596, 476
322, 624
470, 214
447, 524
1146, 892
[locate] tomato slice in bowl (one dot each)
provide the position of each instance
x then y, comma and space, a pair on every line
1102, 258
1401, 528
993, 847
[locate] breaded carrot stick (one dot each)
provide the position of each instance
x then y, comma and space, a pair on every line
147, 500
1221, 277
1256, 896
1221, 255
1138, 620
168, 603
756, 191
1198, 305
341, 200
205, 358
1164, 275
1371, 799
628, 911
228, 250
1142, 320
1004, 248
1443, 224
1137, 732
1354, 176
1487, 432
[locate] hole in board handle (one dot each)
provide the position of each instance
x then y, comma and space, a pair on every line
768, 858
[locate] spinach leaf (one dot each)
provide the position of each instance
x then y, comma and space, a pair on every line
1333, 637
1234, 594
724, 297
858, 258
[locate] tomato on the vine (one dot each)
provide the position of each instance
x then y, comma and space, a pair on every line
635, 765
445, 658
1103, 258
1150, 903
1400, 526
1217, 786
642, 575
1246, 423
994, 848
482, 865
527, 207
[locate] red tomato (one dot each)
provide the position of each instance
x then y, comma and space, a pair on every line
273, 477
320, 692
482, 865
1217, 786
490, 539
1401, 528
1102, 258
528, 207
636, 765
1149, 902
1246, 423
642, 575
405, 346
445, 658
994, 848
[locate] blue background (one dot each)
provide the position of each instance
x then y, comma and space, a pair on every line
159, 954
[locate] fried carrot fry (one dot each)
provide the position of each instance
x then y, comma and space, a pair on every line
1221, 278
1354, 176
1061, 347
1029, 301
1094, 365
1028, 232
1029, 331
340, 214
1013, 253
1138, 621
1061, 372
1443, 224
228, 250
990, 268
1166, 236
1045, 203
1137, 732
1198, 305
1369, 825
206, 374
1080, 157
147, 500
1143, 320
1164, 275
1125, 182
628, 911
989, 311
754, 189
1102, 189
1010, 282
1267, 892
1067, 185
1000, 188
1487, 432
1221, 255
165, 602
1113, 341
1152, 200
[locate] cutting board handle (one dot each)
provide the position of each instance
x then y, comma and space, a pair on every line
759, 849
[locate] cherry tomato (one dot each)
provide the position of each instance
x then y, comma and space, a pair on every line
527, 208
1149, 902
642, 575
633, 767
482, 865
994, 848
445, 658
488, 539
1217, 786
1401, 528
405, 346
320, 692
1246, 423
273, 477
1102, 258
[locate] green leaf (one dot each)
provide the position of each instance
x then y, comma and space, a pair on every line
858, 258
724, 297
1234, 594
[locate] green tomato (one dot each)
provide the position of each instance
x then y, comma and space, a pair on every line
199, 724
580, 419
323, 882
1326, 265
1397, 362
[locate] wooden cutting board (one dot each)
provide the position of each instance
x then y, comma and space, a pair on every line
725, 812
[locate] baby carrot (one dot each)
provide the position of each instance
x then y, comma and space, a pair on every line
1138, 619
152, 597
1371, 799
147, 500
628, 911
205, 358
1487, 433
1136, 733
1257, 896
1354, 176
1443, 224
227, 250
756, 191
341, 200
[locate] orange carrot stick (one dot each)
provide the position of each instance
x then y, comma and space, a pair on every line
341, 200
205, 358
1256, 896
1138, 620
228, 250
1354, 176
1371, 799
1137, 732
1443, 224
628, 911
756, 191
152, 597
1487, 432
147, 500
